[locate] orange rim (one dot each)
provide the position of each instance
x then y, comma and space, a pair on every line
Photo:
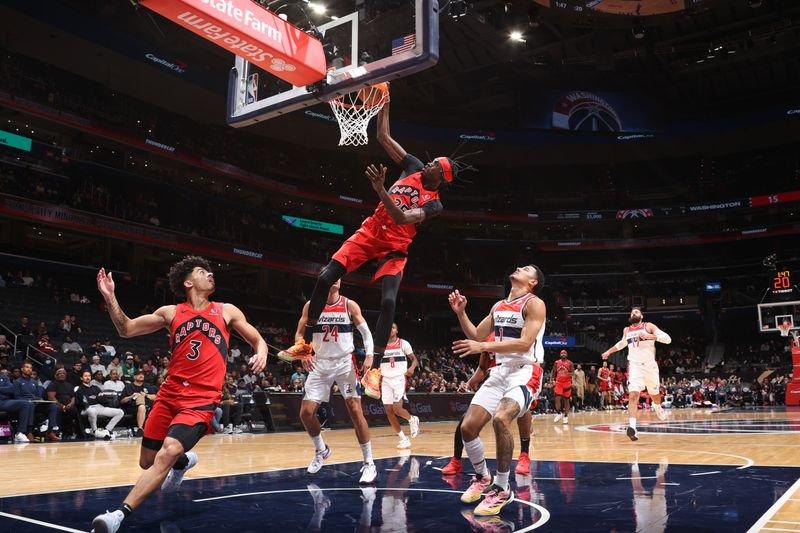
381, 87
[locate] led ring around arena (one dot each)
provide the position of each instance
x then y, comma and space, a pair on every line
543, 518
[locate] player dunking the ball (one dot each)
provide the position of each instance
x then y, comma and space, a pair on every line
385, 236
518, 323
185, 403
333, 362
640, 338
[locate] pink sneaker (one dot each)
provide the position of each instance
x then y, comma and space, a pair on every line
494, 502
476, 488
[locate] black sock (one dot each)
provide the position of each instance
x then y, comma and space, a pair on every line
181, 463
308, 333
525, 445
458, 441
376, 359
126, 509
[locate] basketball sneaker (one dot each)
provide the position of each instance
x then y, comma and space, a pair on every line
453, 467
108, 522
368, 474
494, 502
476, 488
414, 425
523, 465
557, 417
175, 477
404, 444
20, 438
487, 524
372, 383
301, 351
632, 433
660, 412
566, 421
319, 460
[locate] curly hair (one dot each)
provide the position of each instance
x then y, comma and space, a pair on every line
182, 270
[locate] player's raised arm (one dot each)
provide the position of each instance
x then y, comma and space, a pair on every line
622, 343
251, 335
392, 147
535, 313
458, 303
131, 327
366, 335
655, 334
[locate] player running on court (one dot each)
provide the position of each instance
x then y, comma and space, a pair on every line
562, 375
640, 338
334, 362
185, 403
385, 235
518, 323
394, 371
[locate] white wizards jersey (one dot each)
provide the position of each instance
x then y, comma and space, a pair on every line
333, 333
640, 351
508, 322
395, 359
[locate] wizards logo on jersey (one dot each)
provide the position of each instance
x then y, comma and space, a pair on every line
201, 325
405, 196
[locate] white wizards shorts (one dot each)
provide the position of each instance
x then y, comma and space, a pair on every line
508, 380
643, 376
326, 373
393, 389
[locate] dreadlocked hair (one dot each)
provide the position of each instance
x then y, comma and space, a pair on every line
182, 270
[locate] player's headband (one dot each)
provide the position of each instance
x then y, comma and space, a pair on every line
447, 169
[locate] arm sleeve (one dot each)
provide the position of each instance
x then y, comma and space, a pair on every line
662, 337
432, 209
406, 346
621, 344
411, 164
366, 336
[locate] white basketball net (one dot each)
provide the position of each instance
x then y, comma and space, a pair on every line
354, 110
784, 329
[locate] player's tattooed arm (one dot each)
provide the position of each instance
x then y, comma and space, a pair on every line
127, 327
392, 147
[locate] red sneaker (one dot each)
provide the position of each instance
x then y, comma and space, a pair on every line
453, 467
523, 465
301, 351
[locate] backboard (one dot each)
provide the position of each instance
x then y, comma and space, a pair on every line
365, 41
772, 314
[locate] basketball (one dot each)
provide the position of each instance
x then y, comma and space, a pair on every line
374, 95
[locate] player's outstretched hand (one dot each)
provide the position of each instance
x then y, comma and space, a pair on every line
258, 362
604, 356
376, 176
458, 302
105, 283
466, 347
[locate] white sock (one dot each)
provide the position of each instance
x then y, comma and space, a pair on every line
401, 435
632, 422
366, 450
319, 444
475, 453
501, 480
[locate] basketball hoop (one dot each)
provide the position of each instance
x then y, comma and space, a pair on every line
354, 110
784, 328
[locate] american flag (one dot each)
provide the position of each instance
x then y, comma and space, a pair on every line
403, 44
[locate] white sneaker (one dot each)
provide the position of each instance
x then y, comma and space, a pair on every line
403, 444
175, 477
414, 425
237, 430
662, 415
228, 429
557, 417
368, 474
20, 438
319, 460
107, 522
101, 434
566, 421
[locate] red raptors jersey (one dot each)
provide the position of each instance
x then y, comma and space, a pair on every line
604, 374
407, 193
563, 368
619, 377
199, 342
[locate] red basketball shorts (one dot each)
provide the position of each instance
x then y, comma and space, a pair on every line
169, 410
563, 388
367, 244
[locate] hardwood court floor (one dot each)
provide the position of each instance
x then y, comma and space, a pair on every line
708, 440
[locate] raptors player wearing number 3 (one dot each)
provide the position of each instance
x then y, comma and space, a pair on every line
640, 338
334, 362
185, 403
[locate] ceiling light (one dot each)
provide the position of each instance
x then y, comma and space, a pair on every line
516, 36
318, 9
